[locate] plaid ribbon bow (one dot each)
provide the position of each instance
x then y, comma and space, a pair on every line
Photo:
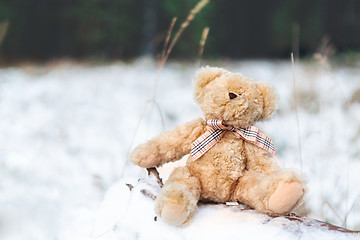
218, 129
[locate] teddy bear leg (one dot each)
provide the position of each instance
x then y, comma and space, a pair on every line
177, 201
275, 194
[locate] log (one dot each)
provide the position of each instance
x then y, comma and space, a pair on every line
302, 220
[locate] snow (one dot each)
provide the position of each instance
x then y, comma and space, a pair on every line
67, 128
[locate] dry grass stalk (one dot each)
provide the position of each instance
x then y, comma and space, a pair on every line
167, 51
184, 25
322, 168
325, 51
296, 109
295, 40
326, 203
352, 207
193, 12
163, 60
139, 122
202, 44
347, 101
106, 232
168, 35
3, 30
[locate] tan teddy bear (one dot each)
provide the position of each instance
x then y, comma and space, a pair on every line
230, 160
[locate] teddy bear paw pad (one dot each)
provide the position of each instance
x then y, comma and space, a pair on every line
285, 197
174, 214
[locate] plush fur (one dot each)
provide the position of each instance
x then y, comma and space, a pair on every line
233, 169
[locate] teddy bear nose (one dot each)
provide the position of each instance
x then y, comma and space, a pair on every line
232, 95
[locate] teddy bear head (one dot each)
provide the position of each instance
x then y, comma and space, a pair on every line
231, 97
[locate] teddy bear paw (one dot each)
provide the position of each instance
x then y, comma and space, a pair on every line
174, 214
143, 158
285, 198
176, 205
149, 161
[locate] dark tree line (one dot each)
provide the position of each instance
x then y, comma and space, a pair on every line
111, 29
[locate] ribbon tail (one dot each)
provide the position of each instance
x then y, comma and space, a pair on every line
205, 142
254, 136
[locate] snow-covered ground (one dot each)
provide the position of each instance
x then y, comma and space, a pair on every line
66, 130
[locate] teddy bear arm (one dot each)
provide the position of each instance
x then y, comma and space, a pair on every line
177, 143
260, 160
168, 146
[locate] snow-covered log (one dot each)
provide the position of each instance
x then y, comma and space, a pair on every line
127, 212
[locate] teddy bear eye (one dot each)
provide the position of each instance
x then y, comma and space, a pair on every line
232, 95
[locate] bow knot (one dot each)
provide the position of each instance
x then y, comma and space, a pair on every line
217, 129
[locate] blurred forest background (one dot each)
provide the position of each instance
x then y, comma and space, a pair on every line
123, 29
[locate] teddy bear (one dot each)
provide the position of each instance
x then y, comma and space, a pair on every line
230, 160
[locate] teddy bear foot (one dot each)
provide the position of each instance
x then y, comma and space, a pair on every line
174, 214
176, 205
285, 198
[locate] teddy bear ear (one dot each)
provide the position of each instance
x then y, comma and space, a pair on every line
269, 99
203, 77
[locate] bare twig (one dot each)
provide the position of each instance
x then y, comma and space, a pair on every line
202, 44
310, 222
148, 194
304, 221
296, 109
154, 171
129, 186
